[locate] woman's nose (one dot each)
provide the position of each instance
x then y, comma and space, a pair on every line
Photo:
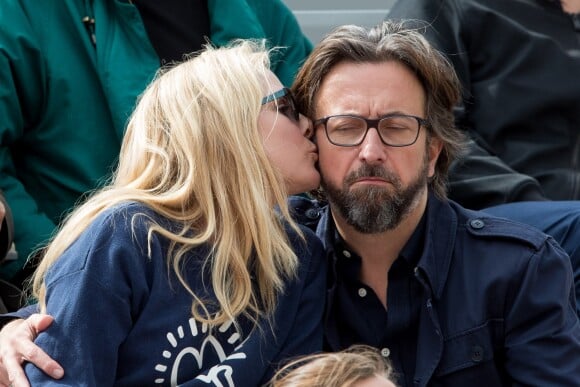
306, 126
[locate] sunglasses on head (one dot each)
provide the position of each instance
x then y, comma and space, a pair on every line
284, 102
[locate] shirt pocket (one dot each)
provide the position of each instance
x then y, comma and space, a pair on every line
474, 355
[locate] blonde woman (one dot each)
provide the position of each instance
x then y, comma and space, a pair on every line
182, 271
357, 366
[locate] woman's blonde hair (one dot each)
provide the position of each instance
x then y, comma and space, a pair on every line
193, 153
334, 369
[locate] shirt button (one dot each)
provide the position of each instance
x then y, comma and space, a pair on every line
477, 224
385, 352
346, 253
311, 213
476, 353
362, 292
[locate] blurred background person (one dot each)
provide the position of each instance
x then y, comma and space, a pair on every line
519, 65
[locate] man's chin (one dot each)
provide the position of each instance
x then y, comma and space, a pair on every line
370, 192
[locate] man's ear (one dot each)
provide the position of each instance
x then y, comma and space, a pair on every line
434, 148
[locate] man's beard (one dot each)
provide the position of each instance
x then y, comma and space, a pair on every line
373, 209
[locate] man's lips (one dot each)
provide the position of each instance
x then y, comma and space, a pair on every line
370, 180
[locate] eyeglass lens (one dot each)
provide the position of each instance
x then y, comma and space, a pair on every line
287, 107
284, 102
395, 130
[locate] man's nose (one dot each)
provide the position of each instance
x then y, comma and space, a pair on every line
372, 149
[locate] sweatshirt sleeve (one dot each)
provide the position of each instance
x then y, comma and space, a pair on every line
91, 293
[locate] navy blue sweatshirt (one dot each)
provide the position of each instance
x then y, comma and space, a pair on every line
123, 319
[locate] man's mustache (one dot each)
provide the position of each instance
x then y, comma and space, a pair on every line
370, 171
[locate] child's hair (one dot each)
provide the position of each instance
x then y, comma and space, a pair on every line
334, 369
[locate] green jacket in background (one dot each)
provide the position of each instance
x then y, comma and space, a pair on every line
64, 102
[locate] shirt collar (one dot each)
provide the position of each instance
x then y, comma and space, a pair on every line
429, 248
411, 252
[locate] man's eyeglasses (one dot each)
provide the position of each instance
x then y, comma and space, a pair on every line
285, 103
394, 129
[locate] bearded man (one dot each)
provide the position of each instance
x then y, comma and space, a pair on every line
452, 297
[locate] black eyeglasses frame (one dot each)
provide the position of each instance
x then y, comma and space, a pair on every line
372, 123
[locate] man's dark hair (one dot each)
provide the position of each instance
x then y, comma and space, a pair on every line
400, 42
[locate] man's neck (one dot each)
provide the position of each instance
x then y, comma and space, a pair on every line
379, 251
